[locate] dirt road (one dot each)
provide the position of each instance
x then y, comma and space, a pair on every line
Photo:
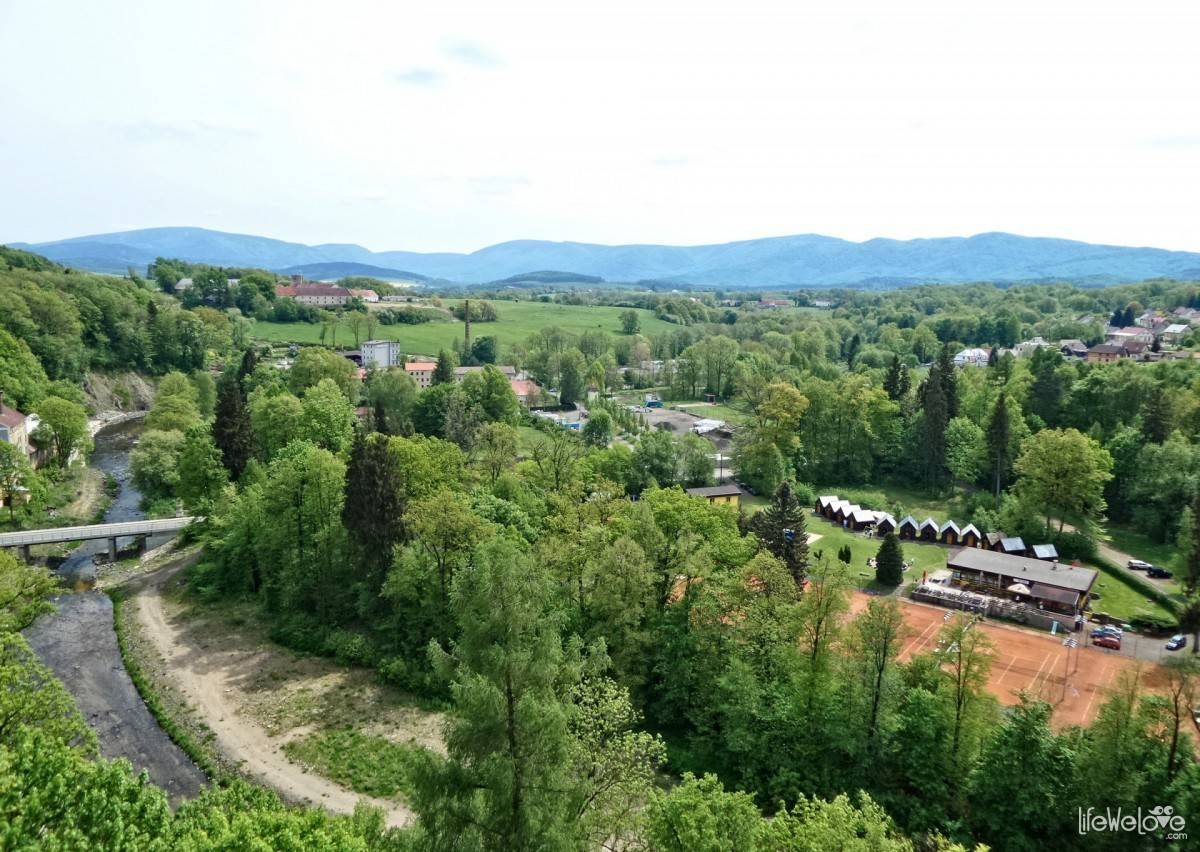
208, 677
78, 643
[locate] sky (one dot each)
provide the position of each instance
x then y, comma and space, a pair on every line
453, 125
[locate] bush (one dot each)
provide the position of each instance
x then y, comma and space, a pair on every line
412, 677
350, 648
804, 493
204, 581
1153, 622
300, 632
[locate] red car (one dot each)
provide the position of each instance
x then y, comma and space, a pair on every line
1107, 642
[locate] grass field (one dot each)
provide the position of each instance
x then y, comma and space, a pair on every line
1122, 600
713, 411
366, 764
517, 321
925, 557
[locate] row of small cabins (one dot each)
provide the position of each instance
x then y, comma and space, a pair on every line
856, 518
1028, 584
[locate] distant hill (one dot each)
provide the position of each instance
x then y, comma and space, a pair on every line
550, 276
341, 269
806, 260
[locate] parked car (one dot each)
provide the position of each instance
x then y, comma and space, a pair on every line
1113, 642
1158, 573
1108, 630
1138, 565
1176, 642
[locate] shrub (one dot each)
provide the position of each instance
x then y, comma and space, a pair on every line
350, 648
300, 632
804, 493
1153, 622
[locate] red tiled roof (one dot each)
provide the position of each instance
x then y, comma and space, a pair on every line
10, 417
420, 366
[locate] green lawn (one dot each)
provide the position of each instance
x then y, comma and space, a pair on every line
712, 411
925, 557
1142, 547
517, 321
366, 764
1121, 600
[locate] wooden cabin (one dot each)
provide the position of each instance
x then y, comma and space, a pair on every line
824, 505
885, 525
844, 510
992, 540
1045, 552
908, 527
970, 536
949, 533
1013, 546
862, 519
928, 530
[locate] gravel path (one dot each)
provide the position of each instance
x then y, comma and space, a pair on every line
208, 679
78, 643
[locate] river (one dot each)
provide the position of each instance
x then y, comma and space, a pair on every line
111, 457
77, 641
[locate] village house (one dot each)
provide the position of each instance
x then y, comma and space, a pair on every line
973, 357
461, 373
774, 303
368, 296
17, 428
318, 295
1106, 353
1072, 348
1027, 347
1174, 333
1128, 333
527, 391
719, 495
421, 372
1191, 316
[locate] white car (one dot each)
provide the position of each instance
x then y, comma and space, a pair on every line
1138, 565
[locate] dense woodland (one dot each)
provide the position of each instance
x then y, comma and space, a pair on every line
624, 665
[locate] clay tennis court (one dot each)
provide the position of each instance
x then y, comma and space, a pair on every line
1037, 664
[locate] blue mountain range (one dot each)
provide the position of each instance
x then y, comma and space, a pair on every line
804, 260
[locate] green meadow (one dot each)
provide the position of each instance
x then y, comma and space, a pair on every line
516, 322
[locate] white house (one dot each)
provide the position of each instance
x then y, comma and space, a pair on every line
973, 357
1174, 332
1027, 347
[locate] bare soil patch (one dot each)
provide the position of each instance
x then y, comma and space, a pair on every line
253, 696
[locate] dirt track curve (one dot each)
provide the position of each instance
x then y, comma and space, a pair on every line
204, 677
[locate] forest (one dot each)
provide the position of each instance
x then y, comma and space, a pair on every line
624, 665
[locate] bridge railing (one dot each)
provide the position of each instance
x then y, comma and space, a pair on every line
94, 531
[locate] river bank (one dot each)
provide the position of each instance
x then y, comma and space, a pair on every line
79, 644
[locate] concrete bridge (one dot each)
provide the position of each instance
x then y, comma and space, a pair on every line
24, 540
